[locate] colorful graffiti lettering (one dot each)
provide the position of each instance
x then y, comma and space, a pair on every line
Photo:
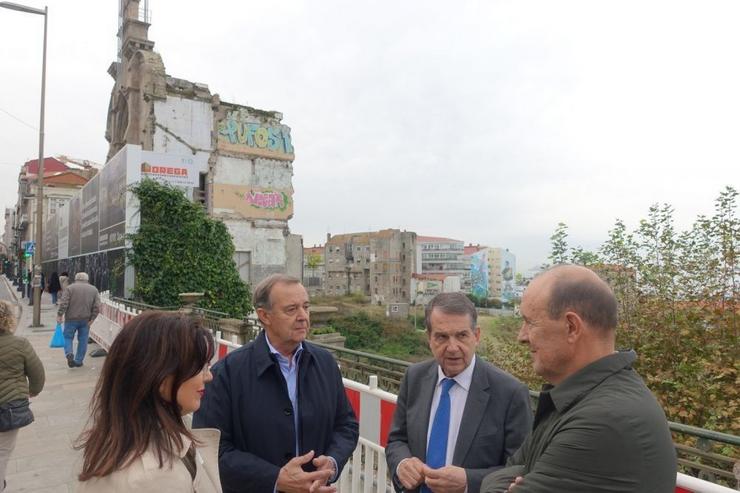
267, 200
237, 131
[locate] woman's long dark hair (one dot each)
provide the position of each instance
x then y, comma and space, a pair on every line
128, 412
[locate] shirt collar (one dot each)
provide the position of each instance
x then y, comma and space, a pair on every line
274, 351
463, 379
573, 388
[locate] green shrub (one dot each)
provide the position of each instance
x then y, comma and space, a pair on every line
179, 249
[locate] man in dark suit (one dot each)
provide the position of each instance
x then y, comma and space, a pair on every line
286, 424
458, 418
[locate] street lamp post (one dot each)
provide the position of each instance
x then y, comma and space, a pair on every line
40, 187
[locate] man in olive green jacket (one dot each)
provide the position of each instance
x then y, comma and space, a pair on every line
597, 428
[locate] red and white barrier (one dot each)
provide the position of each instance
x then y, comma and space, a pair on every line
109, 321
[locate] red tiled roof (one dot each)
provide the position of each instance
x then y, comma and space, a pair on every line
471, 249
51, 165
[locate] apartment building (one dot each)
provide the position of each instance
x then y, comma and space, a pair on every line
314, 269
376, 264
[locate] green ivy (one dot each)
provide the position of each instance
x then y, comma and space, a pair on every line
179, 249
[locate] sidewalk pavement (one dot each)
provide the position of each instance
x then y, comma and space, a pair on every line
43, 460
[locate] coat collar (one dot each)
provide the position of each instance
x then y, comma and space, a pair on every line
263, 359
576, 386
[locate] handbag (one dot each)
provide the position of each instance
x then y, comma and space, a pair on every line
57, 340
15, 414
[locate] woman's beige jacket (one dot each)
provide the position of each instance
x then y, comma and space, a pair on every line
145, 476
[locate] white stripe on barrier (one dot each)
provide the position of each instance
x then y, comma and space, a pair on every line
700, 486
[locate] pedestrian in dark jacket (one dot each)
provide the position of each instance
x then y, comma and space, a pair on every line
54, 286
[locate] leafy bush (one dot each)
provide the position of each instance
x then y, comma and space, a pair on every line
179, 249
678, 296
395, 339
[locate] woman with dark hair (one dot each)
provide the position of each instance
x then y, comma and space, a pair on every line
155, 374
54, 286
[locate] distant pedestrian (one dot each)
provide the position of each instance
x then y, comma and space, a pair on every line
54, 287
154, 375
21, 376
79, 306
64, 280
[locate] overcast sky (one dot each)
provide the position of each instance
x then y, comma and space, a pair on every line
485, 121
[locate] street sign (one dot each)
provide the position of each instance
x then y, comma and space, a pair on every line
30, 248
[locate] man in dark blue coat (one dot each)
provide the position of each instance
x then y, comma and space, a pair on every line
285, 421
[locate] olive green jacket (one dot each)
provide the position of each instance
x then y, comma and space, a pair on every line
598, 431
21, 371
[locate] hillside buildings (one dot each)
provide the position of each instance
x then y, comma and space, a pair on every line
61, 184
377, 265
314, 270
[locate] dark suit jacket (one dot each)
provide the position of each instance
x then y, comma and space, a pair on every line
248, 401
496, 419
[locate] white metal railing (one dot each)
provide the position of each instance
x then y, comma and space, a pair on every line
366, 470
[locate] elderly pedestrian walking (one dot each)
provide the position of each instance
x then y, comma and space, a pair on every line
79, 306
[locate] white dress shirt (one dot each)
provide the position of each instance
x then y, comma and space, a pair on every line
458, 397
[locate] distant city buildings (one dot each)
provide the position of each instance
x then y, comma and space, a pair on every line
61, 184
376, 264
314, 269
492, 272
393, 266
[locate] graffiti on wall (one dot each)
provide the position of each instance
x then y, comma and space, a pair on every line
253, 202
268, 199
239, 132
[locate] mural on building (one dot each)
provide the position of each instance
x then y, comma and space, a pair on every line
479, 274
508, 268
241, 132
253, 202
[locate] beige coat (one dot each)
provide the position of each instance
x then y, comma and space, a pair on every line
145, 476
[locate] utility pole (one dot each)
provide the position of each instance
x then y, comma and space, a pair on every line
38, 251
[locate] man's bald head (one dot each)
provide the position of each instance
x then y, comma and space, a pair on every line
580, 290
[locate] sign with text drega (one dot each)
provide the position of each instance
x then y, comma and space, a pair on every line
177, 170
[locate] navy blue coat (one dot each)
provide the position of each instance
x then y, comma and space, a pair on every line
248, 401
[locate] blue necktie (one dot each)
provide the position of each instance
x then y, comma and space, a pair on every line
437, 448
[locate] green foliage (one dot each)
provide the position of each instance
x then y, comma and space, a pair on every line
559, 243
313, 260
483, 302
678, 307
178, 249
395, 339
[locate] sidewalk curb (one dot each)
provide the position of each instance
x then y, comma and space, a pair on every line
11, 289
